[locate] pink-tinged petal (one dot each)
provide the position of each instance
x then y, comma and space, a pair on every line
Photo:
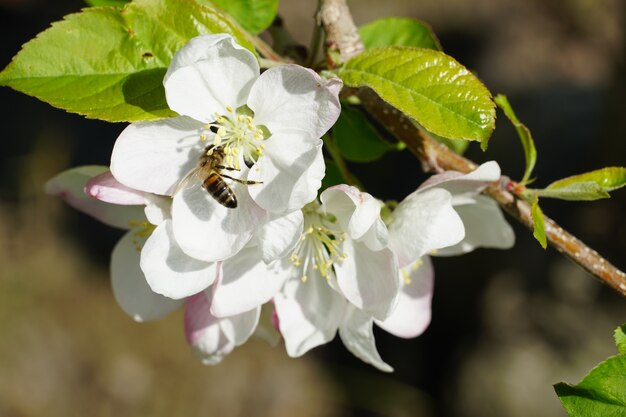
207, 230
155, 156
105, 187
368, 279
246, 283
412, 314
309, 313
213, 338
464, 187
356, 212
423, 222
130, 289
279, 235
485, 227
70, 186
171, 272
290, 173
290, 98
209, 73
358, 336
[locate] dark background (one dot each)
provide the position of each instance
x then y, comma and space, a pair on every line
506, 324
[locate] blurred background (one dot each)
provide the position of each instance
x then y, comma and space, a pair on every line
506, 325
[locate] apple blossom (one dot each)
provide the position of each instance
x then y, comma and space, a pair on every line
271, 122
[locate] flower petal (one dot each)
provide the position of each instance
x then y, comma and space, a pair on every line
158, 208
369, 280
279, 235
209, 73
464, 187
168, 270
290, 171
356, 212
105, 187
422, 222
70, 186
412, 314
208, 231
290, 98
357, 335
155, 156
130, 289
309, 313
485, 226
246, 283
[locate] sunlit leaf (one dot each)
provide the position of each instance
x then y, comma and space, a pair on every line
114, 3
578, 191
398, 31
429, 86
530, 152
609, 179
356, 138
109, 64
539, 230
253, 15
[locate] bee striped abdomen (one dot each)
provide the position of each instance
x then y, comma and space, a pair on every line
219, 190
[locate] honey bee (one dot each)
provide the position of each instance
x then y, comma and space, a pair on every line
209, 170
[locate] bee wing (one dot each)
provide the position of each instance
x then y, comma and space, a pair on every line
184, 183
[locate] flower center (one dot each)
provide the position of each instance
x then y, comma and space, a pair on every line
236, 133
319, 245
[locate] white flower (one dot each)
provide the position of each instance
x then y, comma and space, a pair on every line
232, 115
445, 216
341, 276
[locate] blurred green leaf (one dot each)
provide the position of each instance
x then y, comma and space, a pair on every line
579, 191
356, 138
539, 231
620, 338
109, 64
609, 179
253, 15
429, 86
457, 145
601, 393
398, 31
530, 152
333, 175
114, 3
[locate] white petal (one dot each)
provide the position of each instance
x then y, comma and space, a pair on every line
70, 186
239, 328
155, 156
485, 227
279, 235
291, 172
209, 73
309, 313
246, 283
377, 237
422, 222
412, 314
290, 98
130, 289
358, 213
369, 280
171, 272
464, 187
105, 187
206, 230
357, 335
158, 208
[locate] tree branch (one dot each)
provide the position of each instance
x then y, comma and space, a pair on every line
342, 41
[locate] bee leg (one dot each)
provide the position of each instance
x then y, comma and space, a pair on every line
227, 168
246, 182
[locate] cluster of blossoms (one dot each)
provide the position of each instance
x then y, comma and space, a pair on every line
223, 215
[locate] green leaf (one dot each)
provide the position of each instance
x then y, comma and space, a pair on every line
253, 15
579, 191
356, 138
601, 393
620, 338
524, 135
609, 179
114, 3
333, 175
397, 31
109, 64
429, 86
539, 231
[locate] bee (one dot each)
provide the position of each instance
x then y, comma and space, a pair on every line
209, 170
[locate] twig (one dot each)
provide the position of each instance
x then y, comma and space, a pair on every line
340, 33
